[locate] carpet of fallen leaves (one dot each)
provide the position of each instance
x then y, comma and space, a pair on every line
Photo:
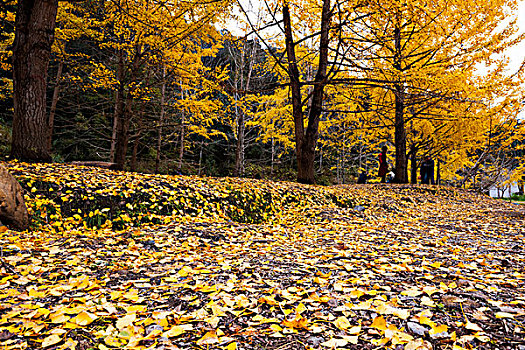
124, 260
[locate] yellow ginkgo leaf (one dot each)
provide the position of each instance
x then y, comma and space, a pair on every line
418, 344
354, 330
300, 308
125, 321
208, 339
231, 346
342, 323
411, 292
473, 327
352, 339
438, 329
427, 301
335, 343
379, 323
59, 318
84, 318
51, 340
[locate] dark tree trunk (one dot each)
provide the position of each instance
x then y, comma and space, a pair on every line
122, 121
181, 136
305, 142
438, 176
136, 141
400, 136
114, 129
295, 86
161, 120
239, 149
413, 164
34, 35
54, 101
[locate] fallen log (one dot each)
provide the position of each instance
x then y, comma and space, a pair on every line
13, 210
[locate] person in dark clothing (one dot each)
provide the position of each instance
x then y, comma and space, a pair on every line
383, 165
362, 177
427, 171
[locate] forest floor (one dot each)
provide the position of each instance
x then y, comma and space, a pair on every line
122, 260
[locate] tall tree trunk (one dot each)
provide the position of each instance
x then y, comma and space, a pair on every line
306, 141
413, 164
136, 141
239, 149
122, 120
54, 101
295, 86
34, 35
239, 113
200, 159
241, 142
182, 122
161, 119
114, 130
438, 176
273, 156
400, 136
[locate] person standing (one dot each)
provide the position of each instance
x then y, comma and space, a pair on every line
363, 176
383, 165
427, 171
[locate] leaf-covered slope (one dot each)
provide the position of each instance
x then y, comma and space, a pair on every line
94, 197
400, 267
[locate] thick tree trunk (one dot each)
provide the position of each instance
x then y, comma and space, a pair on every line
400, 139
295, 86
34, 35
400, 136
306, 142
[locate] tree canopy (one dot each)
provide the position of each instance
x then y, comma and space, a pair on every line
305, 90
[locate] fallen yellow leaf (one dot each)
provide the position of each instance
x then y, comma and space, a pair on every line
51, 340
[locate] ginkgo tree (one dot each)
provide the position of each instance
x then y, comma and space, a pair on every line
141, 62
412, 55
35, 23
429, 53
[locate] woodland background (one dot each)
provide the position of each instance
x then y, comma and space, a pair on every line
164, 87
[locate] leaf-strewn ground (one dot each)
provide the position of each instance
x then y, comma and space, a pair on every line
122, 260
